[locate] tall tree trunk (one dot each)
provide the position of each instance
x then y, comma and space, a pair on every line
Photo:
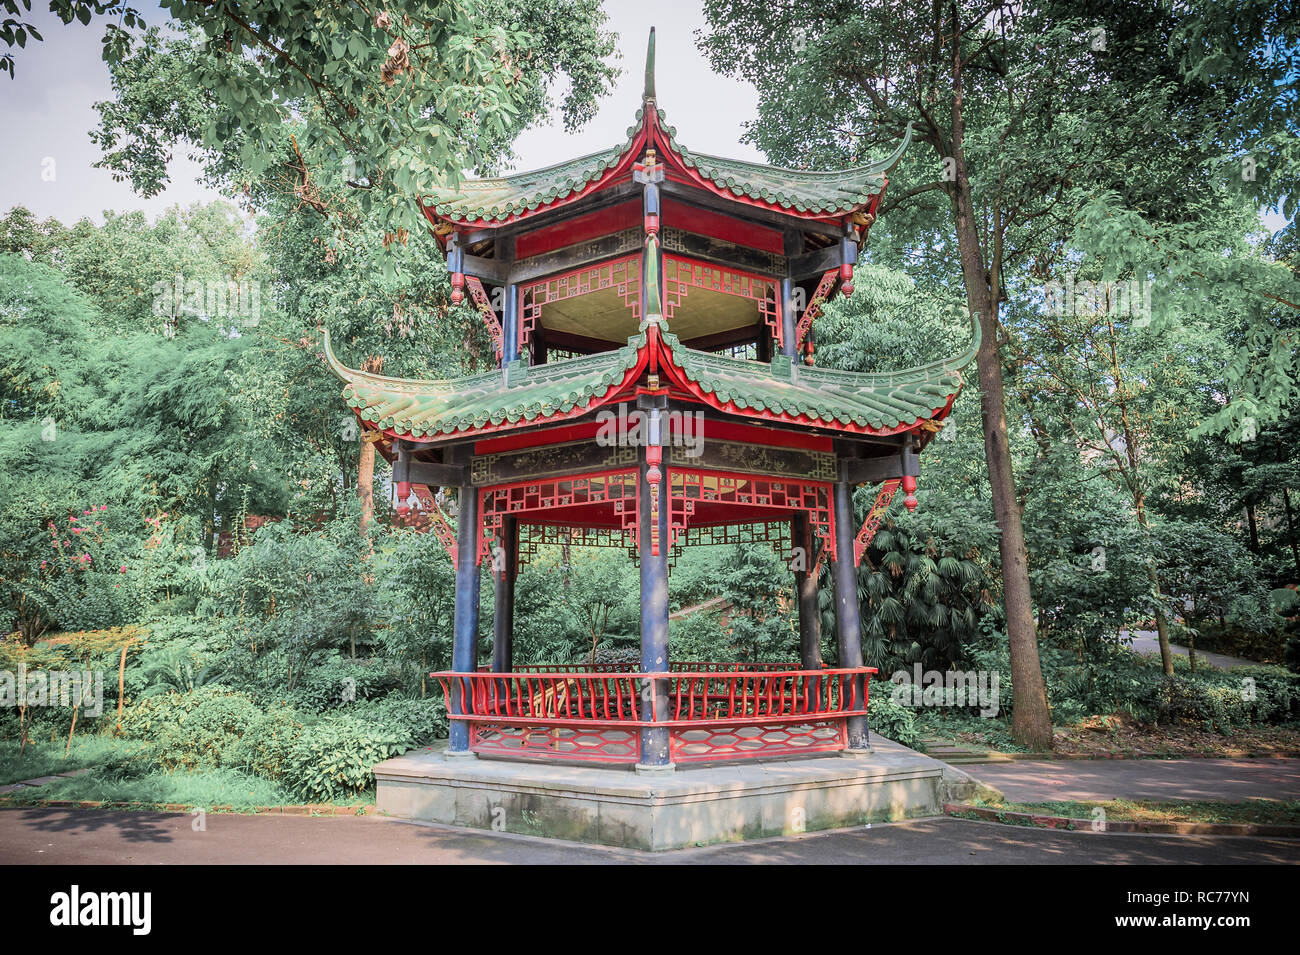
366, 479
1031, 723
366, 467
1290, 531
1166, 654
1254, 527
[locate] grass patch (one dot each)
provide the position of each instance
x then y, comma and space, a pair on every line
45, 759
1261, 811
212, 788
993, 733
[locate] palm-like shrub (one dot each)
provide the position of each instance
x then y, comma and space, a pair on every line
922, 586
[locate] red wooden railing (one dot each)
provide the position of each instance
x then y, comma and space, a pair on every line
713, 710
674, 667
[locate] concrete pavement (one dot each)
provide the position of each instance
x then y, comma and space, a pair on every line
1174, 780
92, 837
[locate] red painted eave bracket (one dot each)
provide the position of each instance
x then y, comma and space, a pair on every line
874, 518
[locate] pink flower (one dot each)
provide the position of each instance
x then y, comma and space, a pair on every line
103, 507
85, 512
123, 570
42, 563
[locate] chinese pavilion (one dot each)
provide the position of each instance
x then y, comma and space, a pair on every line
652, 310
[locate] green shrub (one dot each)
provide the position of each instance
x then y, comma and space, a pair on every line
338, 680
1223, 699
196, 730
336, 756
891, 720
423, 720
264, 748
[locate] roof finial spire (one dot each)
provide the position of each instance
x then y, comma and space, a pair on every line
649, 93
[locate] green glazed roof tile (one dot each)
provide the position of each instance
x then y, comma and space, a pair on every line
832, 192
885, 402
882, 401
419, 407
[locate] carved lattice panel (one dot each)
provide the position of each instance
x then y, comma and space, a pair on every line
585, 744
623, 275
533, 536
681, 275
775, 533
814, 306
617, 489
697, 744
691, 488
484, 305
874, 517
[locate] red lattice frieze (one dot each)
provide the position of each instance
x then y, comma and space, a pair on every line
616, 489
874, 517
681, 275
582, 744
688, 489
622, 275
487, 312
775, 534
700, 744
814, 306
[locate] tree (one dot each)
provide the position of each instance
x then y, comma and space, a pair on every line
334, 122
756, 586
1026, 111
399, 98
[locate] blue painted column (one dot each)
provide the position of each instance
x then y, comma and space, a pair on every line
510, 325
848, 621
464, 649
654, 607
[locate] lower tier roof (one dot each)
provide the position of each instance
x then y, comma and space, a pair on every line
780, 391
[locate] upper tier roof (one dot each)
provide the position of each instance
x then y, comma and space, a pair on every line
797, 192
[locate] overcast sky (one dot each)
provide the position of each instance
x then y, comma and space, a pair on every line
46, 159
48, 112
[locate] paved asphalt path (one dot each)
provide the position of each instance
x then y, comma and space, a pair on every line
1147, 643
1171, 780
89, 836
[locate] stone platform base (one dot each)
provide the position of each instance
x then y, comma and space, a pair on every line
692, 806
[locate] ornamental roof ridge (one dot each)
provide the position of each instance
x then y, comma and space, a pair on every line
815, 193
